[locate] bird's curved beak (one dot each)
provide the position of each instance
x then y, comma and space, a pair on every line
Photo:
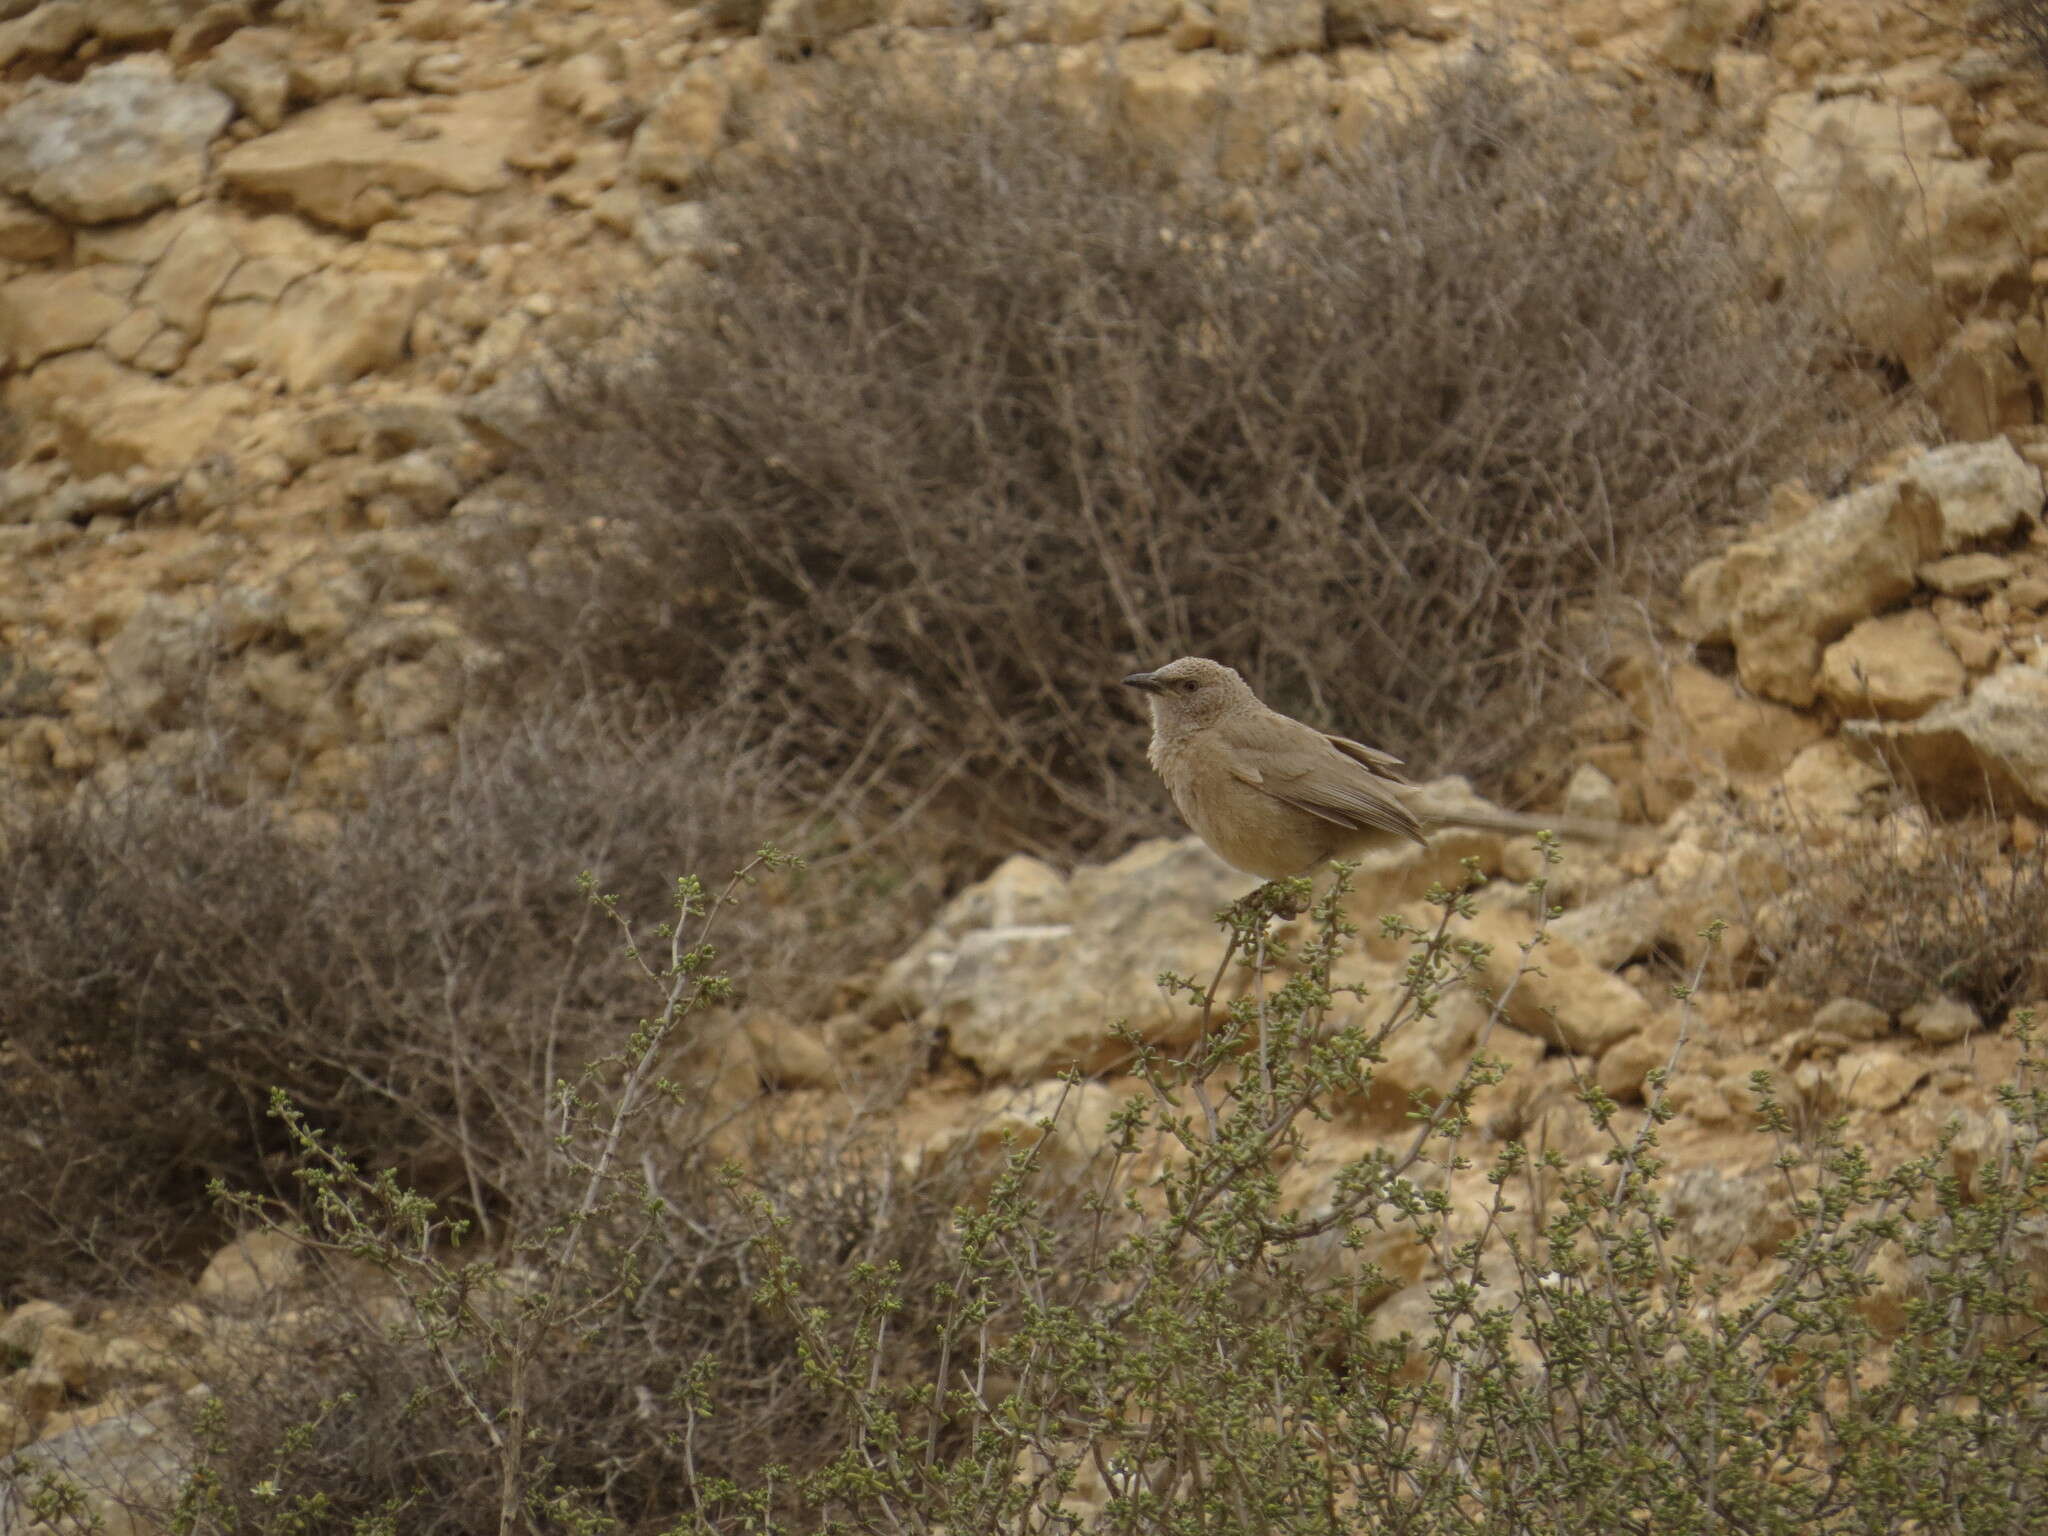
1146, 682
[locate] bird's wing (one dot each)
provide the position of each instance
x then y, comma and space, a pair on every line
1381, 763
1302, 767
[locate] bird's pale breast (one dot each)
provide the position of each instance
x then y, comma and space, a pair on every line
1246, 827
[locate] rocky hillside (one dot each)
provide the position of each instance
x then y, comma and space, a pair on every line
257, 264
272, 279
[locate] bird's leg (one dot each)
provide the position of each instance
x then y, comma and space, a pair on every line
1277, 901
1259, 1002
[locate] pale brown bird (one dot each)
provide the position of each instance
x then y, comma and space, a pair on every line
1274, 797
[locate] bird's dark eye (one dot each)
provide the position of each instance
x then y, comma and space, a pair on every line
1188, 686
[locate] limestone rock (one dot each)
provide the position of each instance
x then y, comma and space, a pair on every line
1828, 782
687, 124
1078, 1113
144, 21
384, 66
50, 30
1966, 575
322, 603
1881, 190
340, 164
1978, 648
1699, 29
1747, 734
336, 326
1853, 1019
72, 1355
1879, 1076
1617, 928
1251, 117
411, 488
132, 335
794, 27
122, 1465
1022, 892
1369, 21
1424, 1057
109, 419
408, 698
285, 683
157, 661
1782, 596
1997, 736
255, 1267
790, 1055
124, 140
1032, 994
27, 234
1690, 718
1942, 1020
2029, 592
1721, 1213
919, 13
1068, 22
1743, 85
1625, 1064
1978, 382
1986, 491
1563, 998
26, 488
1592, 794
1897, 668
250, 67
1194, 28
678, 230
43, 314
104, 496
183, 284
36, 1391
1268, 28
22, 1331
1716, 868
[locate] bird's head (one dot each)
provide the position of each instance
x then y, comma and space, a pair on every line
1192, 692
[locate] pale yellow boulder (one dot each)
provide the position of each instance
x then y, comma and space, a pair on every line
1896, 668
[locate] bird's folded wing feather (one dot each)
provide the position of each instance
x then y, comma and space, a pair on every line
1301, 767
1381, 763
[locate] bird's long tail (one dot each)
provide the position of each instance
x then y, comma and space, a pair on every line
1575, 828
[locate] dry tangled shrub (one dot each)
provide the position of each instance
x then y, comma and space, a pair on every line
416, 985
1909, 906
2020, 25
617, 1409
982, 411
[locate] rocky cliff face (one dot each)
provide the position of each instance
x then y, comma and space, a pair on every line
255, 259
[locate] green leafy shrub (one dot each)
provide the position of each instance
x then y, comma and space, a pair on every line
1169, 1342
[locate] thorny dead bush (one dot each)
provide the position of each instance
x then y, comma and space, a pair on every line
349, 1417
416, 983
615, 1349
1909, 906
2021, 25
983, 410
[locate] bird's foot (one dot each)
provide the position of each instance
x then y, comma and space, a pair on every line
1280, 900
